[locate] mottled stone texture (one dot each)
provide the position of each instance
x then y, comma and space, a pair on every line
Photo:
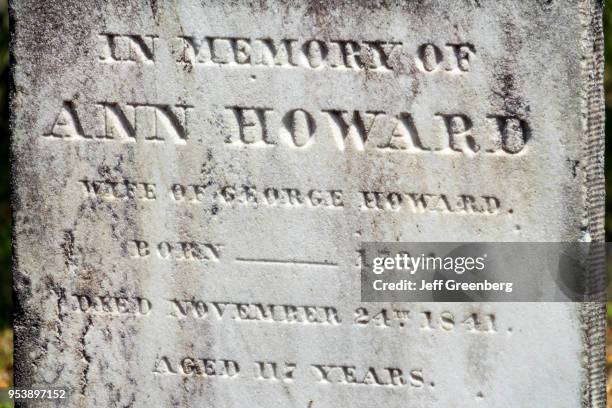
192, 181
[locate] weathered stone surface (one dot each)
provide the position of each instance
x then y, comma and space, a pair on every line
192, 182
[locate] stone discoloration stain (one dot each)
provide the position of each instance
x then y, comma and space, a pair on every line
184, 146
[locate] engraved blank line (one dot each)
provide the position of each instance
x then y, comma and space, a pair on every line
287, 262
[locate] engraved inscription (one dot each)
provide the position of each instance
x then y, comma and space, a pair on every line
118, 190
224, 312
126, 122
126, 48
280, 197
289, 53
287, 372
352, 375
214, 167
290, 314
181, 251
260, 127
452, 57
374, 55
109, 305
370, 129
445, 321
204, 367
273, 371
424, 202
251, 196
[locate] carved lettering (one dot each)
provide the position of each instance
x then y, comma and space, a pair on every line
290, 53
126, 48
129, 122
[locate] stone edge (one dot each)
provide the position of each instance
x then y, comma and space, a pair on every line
593, 314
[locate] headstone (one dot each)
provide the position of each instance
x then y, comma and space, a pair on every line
193, 181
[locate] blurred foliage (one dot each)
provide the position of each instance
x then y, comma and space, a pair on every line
6, 358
